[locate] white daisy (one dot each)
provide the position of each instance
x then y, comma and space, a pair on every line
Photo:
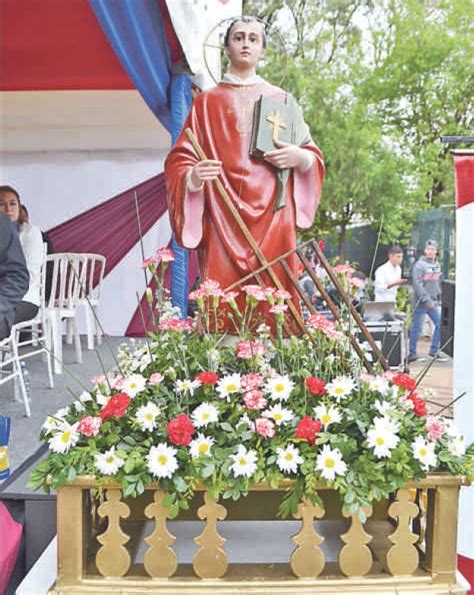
379, 384
228, 384
340, 387
146, 416
279, 387
162, 461
450, 428
133, 384
424, 452
66, 437
108, 463
204, 414
102, 399
385, 424
288, 459
50, 424
385, 408
279, 414
245, 462
78, 406
61, 413
187, 386
201, 445
382, 440
85, 396
330, 463
245, 419
457, 446
327, 415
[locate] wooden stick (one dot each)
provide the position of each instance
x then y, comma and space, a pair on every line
245, 230
347, 300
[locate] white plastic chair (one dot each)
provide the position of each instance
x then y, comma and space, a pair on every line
40, 340
91, 294
10, 369
66, 279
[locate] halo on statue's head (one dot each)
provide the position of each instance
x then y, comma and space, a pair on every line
272, 33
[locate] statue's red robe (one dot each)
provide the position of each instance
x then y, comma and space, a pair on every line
221, 119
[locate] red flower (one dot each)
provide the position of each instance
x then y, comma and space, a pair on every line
307, 429
419, 405
316, 386
180, 430
404, 381
207, 377
116, 406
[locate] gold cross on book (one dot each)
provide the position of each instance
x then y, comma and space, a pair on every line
277, 123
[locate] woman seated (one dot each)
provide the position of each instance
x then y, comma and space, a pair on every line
32, 243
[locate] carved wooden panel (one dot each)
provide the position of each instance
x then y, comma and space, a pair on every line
113, 559
355, 558
210, 561
402, 557
160, 559
307, 559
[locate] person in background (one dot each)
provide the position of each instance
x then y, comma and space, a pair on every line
14, 276
388, 277
426, 282
32, 243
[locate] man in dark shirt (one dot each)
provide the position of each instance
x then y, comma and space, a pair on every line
14, 277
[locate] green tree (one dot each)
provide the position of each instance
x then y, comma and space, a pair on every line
379, 82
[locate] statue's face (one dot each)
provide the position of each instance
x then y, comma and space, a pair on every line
245, 45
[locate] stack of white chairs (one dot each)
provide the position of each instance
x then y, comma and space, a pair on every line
67, 274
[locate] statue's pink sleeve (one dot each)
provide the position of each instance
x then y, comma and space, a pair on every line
185, 208
307, 189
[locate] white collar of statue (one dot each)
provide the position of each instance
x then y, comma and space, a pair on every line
235, 80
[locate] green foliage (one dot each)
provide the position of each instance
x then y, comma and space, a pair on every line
379, 83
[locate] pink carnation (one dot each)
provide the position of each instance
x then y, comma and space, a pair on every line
89, 426
279, 309
255, 291
148, 262
176, 324
434, 428
98, 379
230, 296
249, 349
281, 294
155, 379
265, 427
251, 380
254, 399
165, 255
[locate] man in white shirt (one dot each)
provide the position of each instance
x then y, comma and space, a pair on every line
388, 277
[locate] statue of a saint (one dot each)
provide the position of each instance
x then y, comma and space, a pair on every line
222, 119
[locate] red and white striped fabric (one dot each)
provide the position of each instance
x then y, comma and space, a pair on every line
464, 342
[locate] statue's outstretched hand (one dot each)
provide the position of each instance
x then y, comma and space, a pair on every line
205, 170
287, 156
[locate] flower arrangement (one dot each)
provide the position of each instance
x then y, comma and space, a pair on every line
191, 406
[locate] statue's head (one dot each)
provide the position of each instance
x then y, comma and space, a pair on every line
245, 41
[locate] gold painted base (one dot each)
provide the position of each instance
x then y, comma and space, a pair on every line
268, 579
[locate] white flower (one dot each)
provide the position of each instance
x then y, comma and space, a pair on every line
146, 416
379, 384
187, 386
214, 357
457, 446
327, 415
78, 406
385, 424
330, 463
245, 462
201, 445
228, 384
61, 413
424, 452
133, 384
108, 463
85, 396
204, 414
50, 424
102, 399
162, 461
340, 387
288, 459
385, 408
279, 387
381, 439
279, 414
450, 428
66, 437
245, 419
